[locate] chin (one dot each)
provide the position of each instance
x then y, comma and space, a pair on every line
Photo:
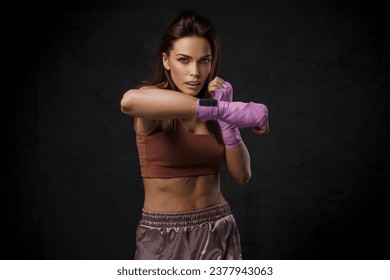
193, 93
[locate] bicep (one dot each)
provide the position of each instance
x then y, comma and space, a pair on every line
158, 104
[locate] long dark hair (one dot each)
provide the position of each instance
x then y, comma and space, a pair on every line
188, 23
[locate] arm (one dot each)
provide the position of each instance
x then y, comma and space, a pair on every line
238, 163
153, 107
236, 153
158, 104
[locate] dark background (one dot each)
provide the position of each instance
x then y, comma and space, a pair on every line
72, 186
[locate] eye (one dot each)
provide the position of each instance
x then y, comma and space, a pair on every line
183, 60
205, 60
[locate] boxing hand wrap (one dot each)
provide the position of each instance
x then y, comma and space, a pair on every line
225, 93
240, 114
230, 133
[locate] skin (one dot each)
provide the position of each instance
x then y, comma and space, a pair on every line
188, 60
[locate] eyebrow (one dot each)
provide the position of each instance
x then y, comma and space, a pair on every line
187, 56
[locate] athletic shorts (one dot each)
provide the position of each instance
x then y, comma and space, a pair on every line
205, 234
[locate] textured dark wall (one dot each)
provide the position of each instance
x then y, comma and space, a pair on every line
318, 187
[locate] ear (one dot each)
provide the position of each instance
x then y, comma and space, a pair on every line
165, 61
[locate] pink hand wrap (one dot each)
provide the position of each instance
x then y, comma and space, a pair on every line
240, 114
230, 133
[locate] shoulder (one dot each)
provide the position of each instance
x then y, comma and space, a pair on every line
137, 89
147, 87
155, 86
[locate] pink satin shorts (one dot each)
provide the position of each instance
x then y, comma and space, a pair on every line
205, 234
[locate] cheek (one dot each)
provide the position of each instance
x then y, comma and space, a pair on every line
177, 71
206, 69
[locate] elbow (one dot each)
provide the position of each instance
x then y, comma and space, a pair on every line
127, 103
244, 179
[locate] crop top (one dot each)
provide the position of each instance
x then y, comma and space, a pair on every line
176, 152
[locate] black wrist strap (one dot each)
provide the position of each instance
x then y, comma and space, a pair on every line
208, 102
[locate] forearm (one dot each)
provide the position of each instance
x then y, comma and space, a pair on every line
158, 104
238, 163
239, 114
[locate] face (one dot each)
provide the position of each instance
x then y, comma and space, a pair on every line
189, 62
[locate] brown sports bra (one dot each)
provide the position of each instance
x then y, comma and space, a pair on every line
176, 152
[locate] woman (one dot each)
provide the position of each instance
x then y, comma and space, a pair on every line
186, 123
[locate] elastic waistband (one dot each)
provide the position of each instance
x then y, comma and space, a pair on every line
185, 219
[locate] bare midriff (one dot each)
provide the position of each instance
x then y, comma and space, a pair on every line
182, 194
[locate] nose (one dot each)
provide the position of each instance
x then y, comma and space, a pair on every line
194, 69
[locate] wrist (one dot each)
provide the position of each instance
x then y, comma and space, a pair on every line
230, 134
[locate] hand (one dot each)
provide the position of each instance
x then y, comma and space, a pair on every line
233, 114
259, 130
222, 91
215, 84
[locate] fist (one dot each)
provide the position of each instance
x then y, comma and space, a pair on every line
221, 90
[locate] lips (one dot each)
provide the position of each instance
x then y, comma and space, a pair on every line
193, 83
